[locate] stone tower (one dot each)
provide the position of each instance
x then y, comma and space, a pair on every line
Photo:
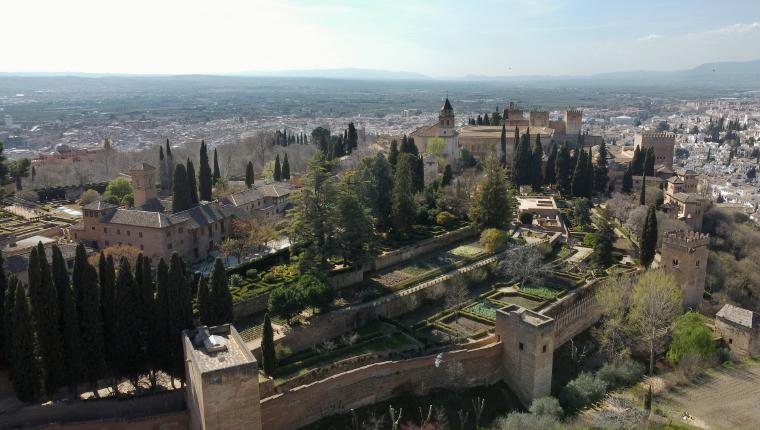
446, 119
223, 380
143, 183
539, 118
528, 347
573, 120
684, 255
663, 143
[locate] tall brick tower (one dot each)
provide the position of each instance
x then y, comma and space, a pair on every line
446, 119
684, 255
573, 120
143, 183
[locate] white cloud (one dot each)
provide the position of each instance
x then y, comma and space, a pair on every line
650, 37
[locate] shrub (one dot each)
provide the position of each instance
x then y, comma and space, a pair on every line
526, 217
581, 391
286, 302
445, 218
691, 337
589, 240
316, 291
252, 273
270, 278
493, 239
621, 373
89, 196
546, 406
235, 281
522, 420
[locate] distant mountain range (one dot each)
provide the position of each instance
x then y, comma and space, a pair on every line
733, 73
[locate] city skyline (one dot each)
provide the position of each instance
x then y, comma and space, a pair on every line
441, 39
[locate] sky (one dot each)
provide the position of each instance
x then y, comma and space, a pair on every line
439, 38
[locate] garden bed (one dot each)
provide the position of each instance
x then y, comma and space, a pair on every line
545, 291
520, 299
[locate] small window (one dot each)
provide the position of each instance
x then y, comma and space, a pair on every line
730, 341
675, 262
118, 231
129, 233
93, 228
520, 346
697, 263
544, 348
105, 230
139, 234
170, 246
168, 233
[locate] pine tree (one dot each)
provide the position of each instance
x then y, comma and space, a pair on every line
447, 176
564, 169
403, 207
536, 165
489, 205
128, 343
181, 197
550, 170
285, 168
268, 355
205, 305
249, 175
393, 154
627, 180
220, 294
205, 178
503, 143
600, 176
643, 191
91, 326
277, 169
192, 184
648, 238
217, 171
26, 369
44, 306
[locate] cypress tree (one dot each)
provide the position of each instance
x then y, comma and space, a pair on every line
168, 150
277, 170
489, 205
286, 168
128, 343
268, 355
649, 162
550, 171
60, 278
71, 342
164, 313
180, 315
249, 175
600, 176
91, 326
503, 143
220, 294
536, 165
26, 370
589, 175
447, 176
205, 306
393, 154
107, 279
3, 290
578, 185
217, 171
192, 183
403, 208
181, 198
205, 179
10, 298
648, 238
44, 305
627, 180
563, 169
643, 191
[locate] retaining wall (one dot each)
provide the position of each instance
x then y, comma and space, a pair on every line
381, 381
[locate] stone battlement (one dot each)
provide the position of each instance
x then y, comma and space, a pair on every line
658, 134
686, 238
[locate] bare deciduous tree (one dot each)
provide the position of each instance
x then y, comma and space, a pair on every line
524, 263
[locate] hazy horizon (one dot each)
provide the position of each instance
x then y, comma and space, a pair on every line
438, 39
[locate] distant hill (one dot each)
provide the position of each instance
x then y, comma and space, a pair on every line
349, 73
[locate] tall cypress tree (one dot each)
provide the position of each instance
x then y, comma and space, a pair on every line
447, 176
503, 143
10, 298
107, 279
91, 326
44, 303
128, 343
600, 175
393, 154
205, 179
180, 315
3, 290
217, 171
649, 162
164, 314
627, 180
205, 305
489, 204
268, 355
643, 190
220, 294
192, 183
277, 169
550, 171
564, 169
26, 369
403, 206
68, 322
181, 194
637, 162
536, 165
589, 175
285, 168
249, 174
648, 238
578, 186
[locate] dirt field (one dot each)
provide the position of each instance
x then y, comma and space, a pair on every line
725, 398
